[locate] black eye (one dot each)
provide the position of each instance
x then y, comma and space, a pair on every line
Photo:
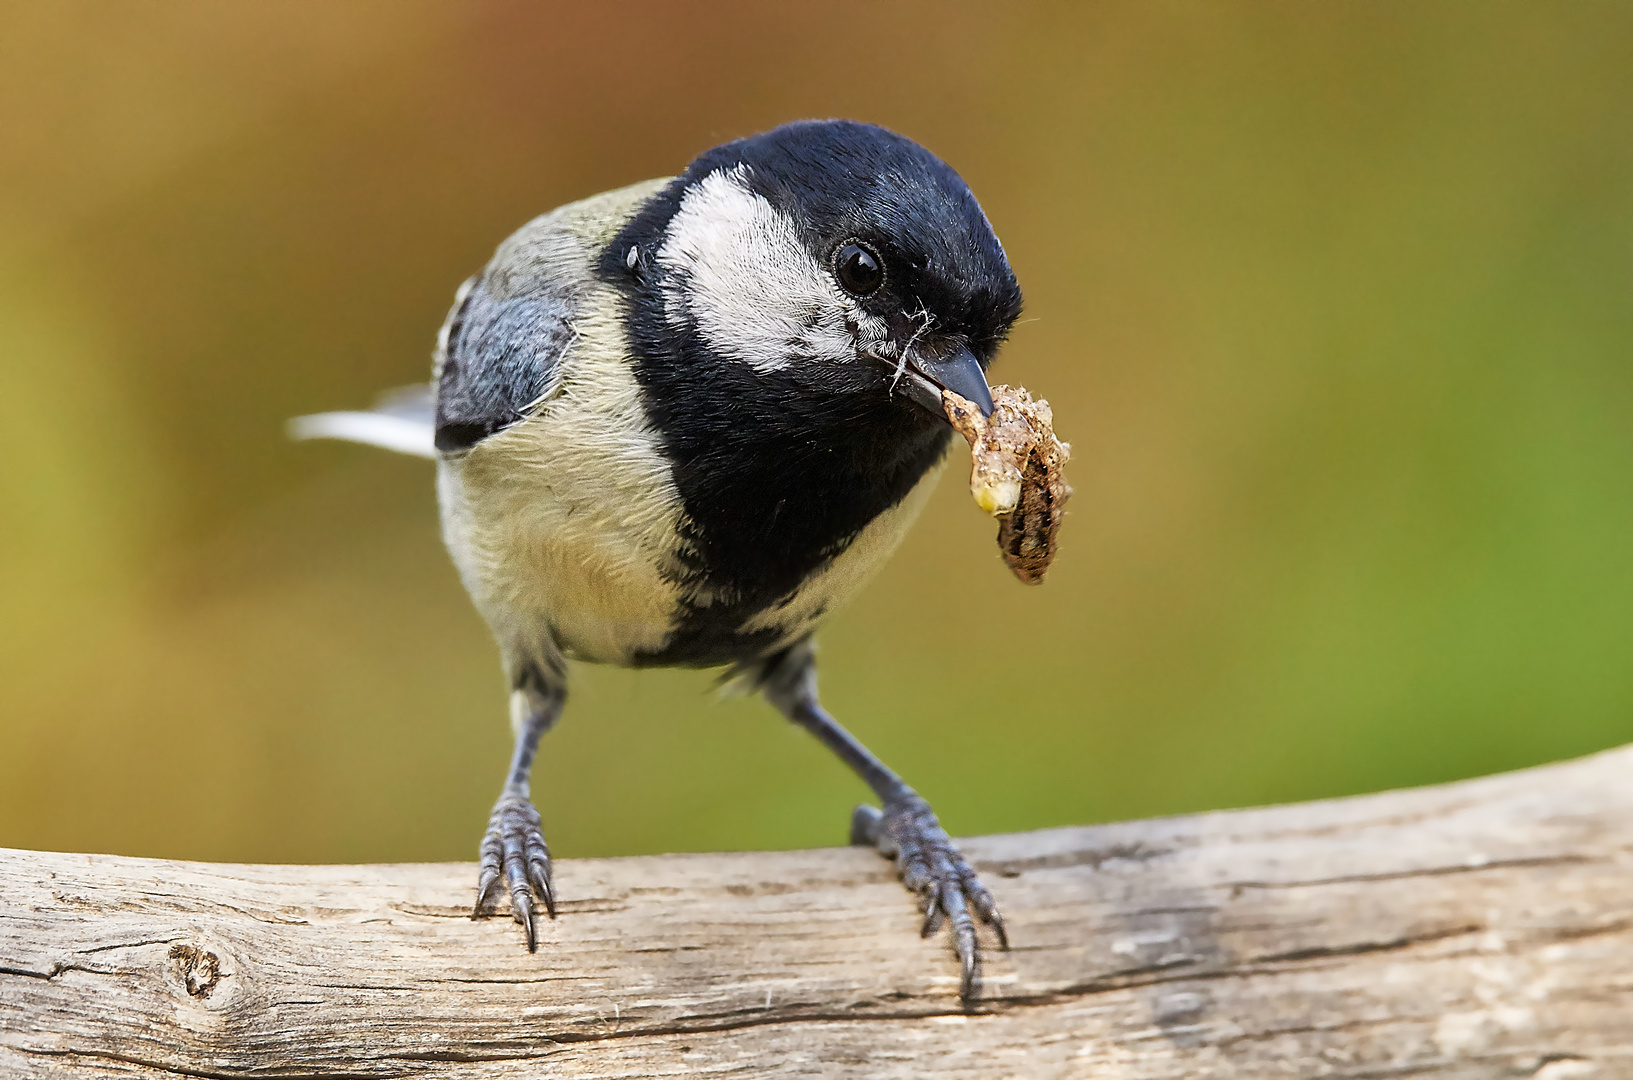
859, 269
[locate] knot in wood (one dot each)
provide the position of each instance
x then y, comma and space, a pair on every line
199, 969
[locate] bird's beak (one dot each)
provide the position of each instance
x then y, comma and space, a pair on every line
961, 373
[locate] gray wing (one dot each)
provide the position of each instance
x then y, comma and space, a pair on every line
500, 358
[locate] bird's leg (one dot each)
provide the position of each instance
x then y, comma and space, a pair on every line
905, 829
514, 842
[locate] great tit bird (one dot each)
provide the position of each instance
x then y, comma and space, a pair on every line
681, 423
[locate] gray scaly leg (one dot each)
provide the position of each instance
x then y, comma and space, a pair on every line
905, 829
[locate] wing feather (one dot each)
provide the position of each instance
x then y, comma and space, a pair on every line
502, 354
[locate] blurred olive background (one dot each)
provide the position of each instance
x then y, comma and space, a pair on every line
1334, 302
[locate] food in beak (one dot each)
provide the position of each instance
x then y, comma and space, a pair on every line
1016, 473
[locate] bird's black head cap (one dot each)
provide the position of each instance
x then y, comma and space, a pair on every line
844, 181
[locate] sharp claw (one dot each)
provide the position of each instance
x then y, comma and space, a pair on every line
963, 932
538, 873
522, 901
967, 967
550, 904
484, 892
996, 921
933, 912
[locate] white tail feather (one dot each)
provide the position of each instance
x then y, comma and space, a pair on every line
405, 435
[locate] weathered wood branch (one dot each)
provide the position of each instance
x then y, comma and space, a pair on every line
1480, 929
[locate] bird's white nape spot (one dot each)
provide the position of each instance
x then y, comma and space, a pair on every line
633, 257
740, 272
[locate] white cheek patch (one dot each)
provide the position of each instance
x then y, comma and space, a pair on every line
740, 272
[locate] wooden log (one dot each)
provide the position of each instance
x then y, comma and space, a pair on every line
1479, 929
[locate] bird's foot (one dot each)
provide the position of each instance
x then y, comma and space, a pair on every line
929, 864
515, 844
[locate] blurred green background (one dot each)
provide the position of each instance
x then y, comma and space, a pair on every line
1334, 302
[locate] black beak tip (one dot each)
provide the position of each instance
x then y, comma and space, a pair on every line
962, 374
983, 399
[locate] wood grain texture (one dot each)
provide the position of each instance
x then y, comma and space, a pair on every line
1480, 929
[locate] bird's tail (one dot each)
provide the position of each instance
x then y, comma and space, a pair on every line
402, 420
